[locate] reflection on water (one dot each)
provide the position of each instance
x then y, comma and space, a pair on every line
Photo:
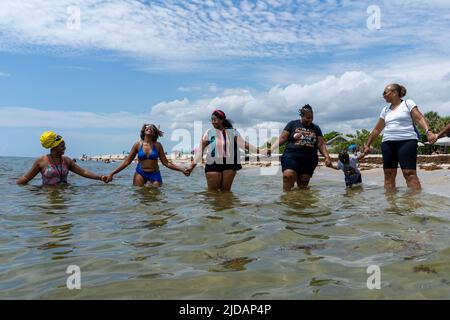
185, 242
219, 201
147, 195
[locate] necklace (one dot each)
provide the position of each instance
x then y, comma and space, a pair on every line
60, 173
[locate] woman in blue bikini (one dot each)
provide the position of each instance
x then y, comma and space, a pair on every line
148, 150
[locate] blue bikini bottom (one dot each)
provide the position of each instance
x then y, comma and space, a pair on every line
149, 176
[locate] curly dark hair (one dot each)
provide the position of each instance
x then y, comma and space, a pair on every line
344, 157
305, 109
158, 133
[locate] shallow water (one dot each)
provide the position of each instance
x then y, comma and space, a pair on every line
181, 242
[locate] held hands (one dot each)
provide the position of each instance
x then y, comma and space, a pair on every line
328, 162
432, 137
108, 178
189, 170
104, 178
186, 172
366, 150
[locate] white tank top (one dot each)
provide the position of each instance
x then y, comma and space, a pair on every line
398, 123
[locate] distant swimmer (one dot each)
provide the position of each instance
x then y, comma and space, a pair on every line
400, 136
148, 151
55, 167
221, 144
300, 158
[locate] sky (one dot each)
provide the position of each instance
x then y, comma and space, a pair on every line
95, 71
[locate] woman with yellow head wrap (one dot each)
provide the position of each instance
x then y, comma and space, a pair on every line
54, 167
50, 140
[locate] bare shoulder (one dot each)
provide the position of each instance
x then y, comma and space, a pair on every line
41, 161
68, 160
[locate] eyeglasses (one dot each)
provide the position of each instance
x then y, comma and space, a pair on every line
385, 92
147, 126
58, 137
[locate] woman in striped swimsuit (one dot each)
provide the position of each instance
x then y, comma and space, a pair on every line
54, 167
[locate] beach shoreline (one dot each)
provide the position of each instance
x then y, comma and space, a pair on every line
370, 162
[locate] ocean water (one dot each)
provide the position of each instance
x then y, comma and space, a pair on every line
182, 242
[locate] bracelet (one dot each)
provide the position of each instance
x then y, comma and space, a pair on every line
426, 131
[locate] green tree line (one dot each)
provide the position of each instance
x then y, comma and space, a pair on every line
436, 123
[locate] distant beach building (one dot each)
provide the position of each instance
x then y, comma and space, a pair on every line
338, 140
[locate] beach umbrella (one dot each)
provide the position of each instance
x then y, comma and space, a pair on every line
352, 146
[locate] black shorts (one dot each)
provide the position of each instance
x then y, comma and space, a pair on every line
350, 181
215, 167
302, 163
403, 152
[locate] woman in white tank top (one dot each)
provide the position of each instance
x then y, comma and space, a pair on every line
400, 136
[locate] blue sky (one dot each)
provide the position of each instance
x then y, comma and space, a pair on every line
172, 62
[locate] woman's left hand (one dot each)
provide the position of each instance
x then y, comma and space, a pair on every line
432, 137
328, 162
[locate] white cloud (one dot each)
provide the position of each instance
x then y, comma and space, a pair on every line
344, 102
30, 117
179, 31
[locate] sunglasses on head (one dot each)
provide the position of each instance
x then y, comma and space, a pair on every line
58, 137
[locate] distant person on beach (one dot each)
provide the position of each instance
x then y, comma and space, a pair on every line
148, 150
222, 144
349, 165
400, 136
54, 167
300, 158
444, 132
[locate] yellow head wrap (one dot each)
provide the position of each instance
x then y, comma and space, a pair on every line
50, 140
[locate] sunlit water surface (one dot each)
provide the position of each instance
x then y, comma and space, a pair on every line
181, 242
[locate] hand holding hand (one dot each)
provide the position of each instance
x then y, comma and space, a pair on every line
432, 137
186, 172
328, 162
191, 168
366, 150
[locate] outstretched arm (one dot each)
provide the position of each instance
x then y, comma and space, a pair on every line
442, 133
31, 173
198, 155
246, 145
361, 156
323, 150
422, 121
82, 172
284, 136
165, 162
133, 152
375, 133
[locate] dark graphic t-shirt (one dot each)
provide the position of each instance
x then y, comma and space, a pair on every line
302, 138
